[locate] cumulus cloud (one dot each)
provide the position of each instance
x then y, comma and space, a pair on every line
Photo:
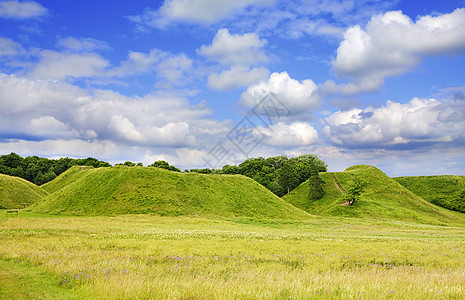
235, 49
298, 97
237, 77
289, 135
392, 44
50, 128
239, 53
125, 129
40, 109
21, 10
418, 122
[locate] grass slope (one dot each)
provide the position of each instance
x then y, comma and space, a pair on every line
139, 190
384, 198
447, 191
65, 178
15, 190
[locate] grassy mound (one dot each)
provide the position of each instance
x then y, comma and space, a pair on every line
139, 190
14, 191
384, 198
447, 191
65, 178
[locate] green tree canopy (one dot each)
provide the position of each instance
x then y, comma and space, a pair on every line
164, 165
355, 190
287, 177
40, 170
315, 183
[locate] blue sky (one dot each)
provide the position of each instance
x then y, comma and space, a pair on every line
202, 83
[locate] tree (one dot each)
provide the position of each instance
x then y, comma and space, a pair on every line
11, 160
164, 165
287, 177
312, 159
316, 184
227, 169
355, 190
40, 170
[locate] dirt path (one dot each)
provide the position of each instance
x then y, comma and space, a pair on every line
338, 185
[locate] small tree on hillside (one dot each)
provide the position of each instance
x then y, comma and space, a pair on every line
316, 184
287, 176
355, 190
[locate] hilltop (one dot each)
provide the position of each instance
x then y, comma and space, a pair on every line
384, 198
14, 191
140, 190
447, 191
69, 176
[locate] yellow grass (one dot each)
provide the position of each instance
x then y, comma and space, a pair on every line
143, 257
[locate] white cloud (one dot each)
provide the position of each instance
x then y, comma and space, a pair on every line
171, 134
69, 65
82, 44
297, 28
21, 10
20, 95
125, 129
289, 135
298, 97
418, 122
50, 128
9, 47
239, 53
175, 67
50, 109
59, 66
237, 77
193, 11
235, 49
392, 44
137, 62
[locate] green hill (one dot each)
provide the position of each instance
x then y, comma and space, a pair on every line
447, 191
14, 191
69, 176
139, 190
384, 198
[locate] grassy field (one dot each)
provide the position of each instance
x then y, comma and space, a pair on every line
147, 233
143, 257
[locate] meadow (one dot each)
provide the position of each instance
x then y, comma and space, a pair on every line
150, 257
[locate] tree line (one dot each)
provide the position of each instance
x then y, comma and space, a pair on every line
40, 170
279, 174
